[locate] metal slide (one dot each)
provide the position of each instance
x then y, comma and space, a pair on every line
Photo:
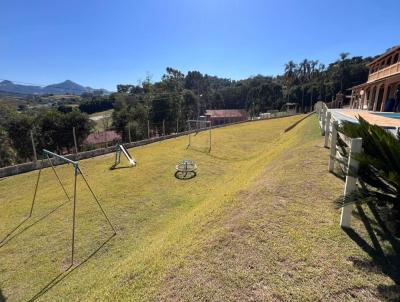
132, 162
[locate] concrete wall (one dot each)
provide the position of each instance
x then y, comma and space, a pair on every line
27, 167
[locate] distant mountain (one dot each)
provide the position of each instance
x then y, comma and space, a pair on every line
66, 87
8, 86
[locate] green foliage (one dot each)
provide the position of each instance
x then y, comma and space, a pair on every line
96, 104
51, 129
83, 126
178, 96
18, 129
309, 80
7, 156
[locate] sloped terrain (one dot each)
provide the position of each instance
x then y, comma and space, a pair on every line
257, 223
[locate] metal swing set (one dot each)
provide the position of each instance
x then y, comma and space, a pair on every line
199, 125
77, 172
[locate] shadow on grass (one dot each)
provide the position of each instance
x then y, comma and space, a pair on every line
60, 277
339, 175
2, 298
387, 264
119, 167
13, 233
185, 175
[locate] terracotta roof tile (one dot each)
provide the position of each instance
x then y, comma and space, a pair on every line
226, 113
102, 137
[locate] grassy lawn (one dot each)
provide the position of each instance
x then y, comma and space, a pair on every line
257, 223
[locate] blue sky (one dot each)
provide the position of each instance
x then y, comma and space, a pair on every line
103, 43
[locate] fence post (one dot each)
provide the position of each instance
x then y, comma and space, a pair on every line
333, 146
74, 134
327, 129
323, 120
351, 181
33, 147
163, 127
148, 128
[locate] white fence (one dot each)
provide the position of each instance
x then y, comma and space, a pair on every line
329, 128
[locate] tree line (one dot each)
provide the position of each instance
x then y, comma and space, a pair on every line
92, 104
164, 106
48, 128
178, 97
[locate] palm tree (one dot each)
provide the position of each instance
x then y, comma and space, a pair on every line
289, 76
304, 76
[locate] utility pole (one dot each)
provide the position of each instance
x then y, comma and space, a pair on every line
76, 146
33, 147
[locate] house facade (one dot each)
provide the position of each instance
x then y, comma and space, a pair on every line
383, 81
218, 117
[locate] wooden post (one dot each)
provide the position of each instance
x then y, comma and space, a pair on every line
333, 147
327, 129
105, 135
323, 120
377, 88
351, 181
189, 132
74, 134
209, 150
385, 92
33, 147
148, 128
163, 127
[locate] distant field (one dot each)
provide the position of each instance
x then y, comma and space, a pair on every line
12, 101
99, 117
257, 223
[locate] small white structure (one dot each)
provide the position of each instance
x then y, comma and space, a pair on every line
265, 115
291, 108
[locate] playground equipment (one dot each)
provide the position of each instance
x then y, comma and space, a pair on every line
186, 169
77, 172
121, 149
199, 125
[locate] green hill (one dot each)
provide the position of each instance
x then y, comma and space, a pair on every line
257, 223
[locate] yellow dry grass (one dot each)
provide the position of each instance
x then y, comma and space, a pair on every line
163, 222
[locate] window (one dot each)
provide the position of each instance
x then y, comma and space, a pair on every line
396, 58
